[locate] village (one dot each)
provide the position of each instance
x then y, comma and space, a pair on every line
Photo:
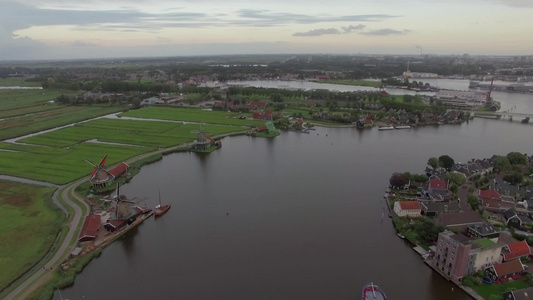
481, 223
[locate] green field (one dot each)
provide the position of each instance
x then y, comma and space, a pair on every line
58, 115
16, 99
29, 224
63, 165
18, 81
192, 115
58, 156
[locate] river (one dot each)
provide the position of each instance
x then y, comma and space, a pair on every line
294, 217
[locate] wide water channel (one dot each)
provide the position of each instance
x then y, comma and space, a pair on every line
294, 217
299, 216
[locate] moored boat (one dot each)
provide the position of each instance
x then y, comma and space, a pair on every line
385, 128
403, 127
372, 291
161, 209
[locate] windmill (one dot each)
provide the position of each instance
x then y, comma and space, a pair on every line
100, 177
202, 142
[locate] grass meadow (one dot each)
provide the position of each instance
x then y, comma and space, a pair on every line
29, 224
58, 156
192, 115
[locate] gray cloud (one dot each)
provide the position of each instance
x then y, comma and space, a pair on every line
318, 32
352, 27
385, 31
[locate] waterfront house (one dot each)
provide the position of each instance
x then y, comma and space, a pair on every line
90, 228
452, 255
522, 294
505, 270
486, 254
407, 208
515, 251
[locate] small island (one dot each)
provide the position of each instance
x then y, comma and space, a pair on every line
471, 222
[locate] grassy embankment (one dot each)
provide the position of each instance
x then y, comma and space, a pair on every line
29, 224
353, 82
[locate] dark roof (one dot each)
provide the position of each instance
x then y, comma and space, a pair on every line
463, 218
509, 214
523, 294
484, 229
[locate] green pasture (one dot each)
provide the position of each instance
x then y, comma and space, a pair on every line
132, 132
29, 223
65, 165
13, 99
192, 115
62, 115
18, 81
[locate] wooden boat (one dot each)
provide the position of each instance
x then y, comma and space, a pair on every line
161, 209
385, 128
372, 291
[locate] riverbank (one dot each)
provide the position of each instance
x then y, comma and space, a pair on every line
38, 278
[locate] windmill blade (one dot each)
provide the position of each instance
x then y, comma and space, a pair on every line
91, 163
101, 164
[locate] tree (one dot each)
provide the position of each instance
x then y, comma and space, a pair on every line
473, 201
514, 178
433, 162
446, 162
517, 158
456, 178
398, 180
501, 163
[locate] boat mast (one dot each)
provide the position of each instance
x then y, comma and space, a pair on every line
159, 197
373, 290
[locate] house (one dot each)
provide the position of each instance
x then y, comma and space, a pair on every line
90, 228
433, 208
459, 219
437, 189
484, 230
515, 250
511, 218
407, 208
452, 255
492, 201
522, 294
505, 270
486, 254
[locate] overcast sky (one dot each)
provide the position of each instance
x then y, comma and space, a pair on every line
67, 29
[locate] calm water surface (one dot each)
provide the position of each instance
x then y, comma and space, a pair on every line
305, 217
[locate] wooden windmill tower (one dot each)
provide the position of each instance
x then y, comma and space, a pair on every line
100, 177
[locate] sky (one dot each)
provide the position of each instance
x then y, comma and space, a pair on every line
74, 29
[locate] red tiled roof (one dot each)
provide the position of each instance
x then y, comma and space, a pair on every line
90, 227
368, 121
517, 250
437, 183
489, 194
508, 268
119, 170
409, 205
